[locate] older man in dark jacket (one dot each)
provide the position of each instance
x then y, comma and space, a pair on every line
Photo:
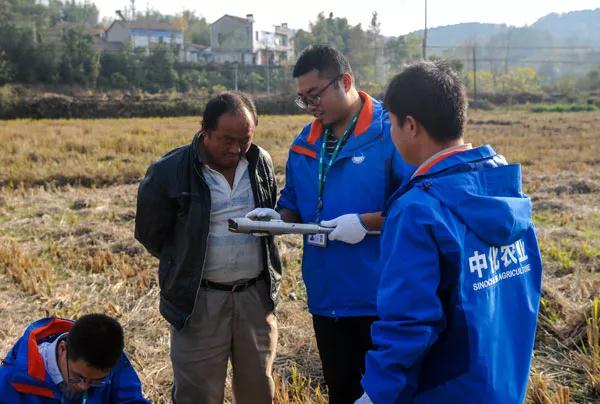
218, 289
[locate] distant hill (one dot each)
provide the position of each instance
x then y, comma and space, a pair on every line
576, 27
459, 34
555, 45
579, 27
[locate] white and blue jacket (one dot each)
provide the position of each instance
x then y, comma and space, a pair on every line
460, 287
24, 378
341, 279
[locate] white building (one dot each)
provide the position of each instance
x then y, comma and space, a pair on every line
143, 34
240, 40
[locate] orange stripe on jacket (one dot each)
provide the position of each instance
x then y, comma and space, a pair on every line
426, 168
35, 363
366, 114
362, 124
316, 129
35, 390
304, 151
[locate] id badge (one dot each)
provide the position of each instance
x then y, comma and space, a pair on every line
317, 240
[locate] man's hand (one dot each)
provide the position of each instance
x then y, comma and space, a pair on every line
348, 228
263, 214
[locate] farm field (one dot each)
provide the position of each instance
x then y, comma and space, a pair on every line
67, 208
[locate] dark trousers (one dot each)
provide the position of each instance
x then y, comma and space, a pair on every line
343, 343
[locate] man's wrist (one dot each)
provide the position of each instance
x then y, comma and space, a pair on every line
361, 221
372, 221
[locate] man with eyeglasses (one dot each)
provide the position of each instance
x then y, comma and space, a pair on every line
340, 170
61, 361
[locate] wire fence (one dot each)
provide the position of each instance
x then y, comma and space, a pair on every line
486, 69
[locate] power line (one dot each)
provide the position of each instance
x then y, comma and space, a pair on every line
592, 48
530, 61
503, 47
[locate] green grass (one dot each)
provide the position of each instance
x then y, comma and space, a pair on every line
565, 108
560, 253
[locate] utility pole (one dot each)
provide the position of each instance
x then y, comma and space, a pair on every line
474, 75
425, 35
268, 72
507, 50
235, 75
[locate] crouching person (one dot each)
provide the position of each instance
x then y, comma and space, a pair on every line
62, 361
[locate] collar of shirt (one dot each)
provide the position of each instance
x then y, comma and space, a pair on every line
48, 351
242, 166
449, 151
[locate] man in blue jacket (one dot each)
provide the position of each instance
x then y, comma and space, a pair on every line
341, 169
61, 361
461, 269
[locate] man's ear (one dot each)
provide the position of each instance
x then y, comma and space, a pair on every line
62, 350
412, 126
347, 81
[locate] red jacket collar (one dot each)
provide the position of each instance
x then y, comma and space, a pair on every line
35, 362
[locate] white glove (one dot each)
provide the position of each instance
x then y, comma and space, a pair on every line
348, 228
364, 399
263, 213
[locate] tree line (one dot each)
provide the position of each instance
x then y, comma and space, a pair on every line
53, 43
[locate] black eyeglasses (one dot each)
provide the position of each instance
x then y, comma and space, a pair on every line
79, 379
304, 101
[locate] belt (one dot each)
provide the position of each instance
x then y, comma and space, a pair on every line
237, 287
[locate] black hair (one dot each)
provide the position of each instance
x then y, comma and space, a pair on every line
97, 339
433, 94
329, 62
227, 102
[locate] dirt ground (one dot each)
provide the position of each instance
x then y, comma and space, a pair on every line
67, 209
